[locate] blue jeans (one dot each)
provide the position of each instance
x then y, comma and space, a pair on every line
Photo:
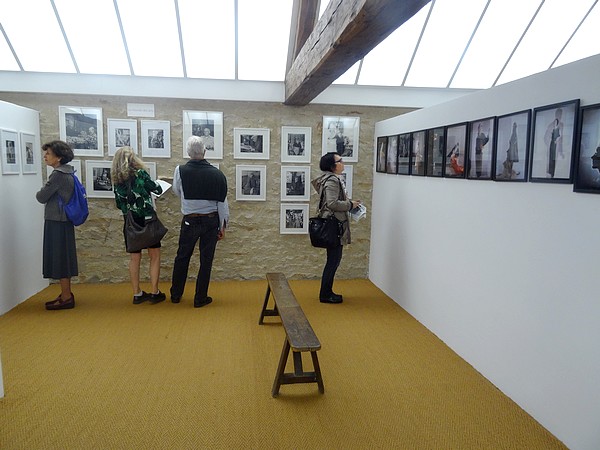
204, 230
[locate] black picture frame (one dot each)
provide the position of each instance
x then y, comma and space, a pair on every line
511, 150
392, 155
456, 150
554, 130
404, 146
436, 143
381, 152
481, 149
418, 153
586, 176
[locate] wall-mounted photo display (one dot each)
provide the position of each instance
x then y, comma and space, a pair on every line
251, 143
121, 133
76, 163
382, 145
30, 156
250, 183
511, 155
296, 144
97, 179
404, 141
156, 138
417, 154
391, 165
293, 218
341, 135
435, 152
208, 125
346, 177
481, 149
81, 128
587, 151
455, 150
11, 155
554, 130
295, 183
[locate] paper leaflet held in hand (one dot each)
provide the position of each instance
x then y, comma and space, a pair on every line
358, 213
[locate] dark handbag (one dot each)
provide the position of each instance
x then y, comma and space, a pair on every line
324, 232
138, 237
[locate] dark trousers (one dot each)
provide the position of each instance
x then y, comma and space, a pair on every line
204, 230
334, 257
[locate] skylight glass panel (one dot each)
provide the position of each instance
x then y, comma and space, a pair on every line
96, 44
497, 35
446, 35
586, 42
387, 63
349, 77
263, 38
36, 37
548, 33
152, 37
208, 33
7, 59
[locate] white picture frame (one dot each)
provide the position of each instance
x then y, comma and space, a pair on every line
250, 183
293, 218
156, 138
97, 179
295, 183
76, 163
30, 155
121, 133
11, 152
196, 123
341, 135
347, 176
296, 144
251, 143
81, 128
151, 166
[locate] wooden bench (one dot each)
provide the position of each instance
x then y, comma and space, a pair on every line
300, 336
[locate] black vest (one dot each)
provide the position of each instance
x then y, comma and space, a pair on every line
202, 181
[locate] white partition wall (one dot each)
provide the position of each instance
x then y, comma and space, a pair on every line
22, 218
506, 274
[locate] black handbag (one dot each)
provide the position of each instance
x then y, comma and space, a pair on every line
138, 237
324, 232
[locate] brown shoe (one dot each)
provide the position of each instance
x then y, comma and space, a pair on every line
51, 302
62, 304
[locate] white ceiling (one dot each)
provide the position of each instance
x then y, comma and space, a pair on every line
467, 44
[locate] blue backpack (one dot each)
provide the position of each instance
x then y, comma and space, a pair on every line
76, 209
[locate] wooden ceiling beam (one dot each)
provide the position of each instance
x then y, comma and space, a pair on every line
347, 31
305, 15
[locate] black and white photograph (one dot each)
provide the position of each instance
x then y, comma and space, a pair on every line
417, 153
296, 144
251, 143
11, 164
381, 154
121, 133
391, 165
208, 125
81, 128
341, 135
404, 141
294, 218
346, 176
156, 138
97, 179
455, 150
587, 153
250, 183
435, 152
295, 183
554, 132
30, 156
511, 154
481, 149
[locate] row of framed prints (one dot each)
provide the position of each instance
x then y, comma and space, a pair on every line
81, 127
19, 154
558, 143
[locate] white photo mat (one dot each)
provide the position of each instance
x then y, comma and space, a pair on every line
97, 179
296, 144
81, 128
341, 135
346, 176
209, 126
295, 183
250, 183
121, 133
30, 155
293, 218
251, 143
11, 152
156, 138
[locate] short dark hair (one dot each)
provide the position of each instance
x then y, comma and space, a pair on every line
327, 162
61, 149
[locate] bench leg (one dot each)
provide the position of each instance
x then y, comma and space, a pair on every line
317, 372
265, 311
281, 368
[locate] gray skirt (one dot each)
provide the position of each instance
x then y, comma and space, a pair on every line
59, 252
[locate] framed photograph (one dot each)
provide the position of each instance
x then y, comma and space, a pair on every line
30, 156
209, 126
341, 135
481, 149
455, 150
81, 128
97, 179
76, 163
346, 177
293, 219
392, 155
295, 183
417, 154
511, 154
122, 133
11, 153
587, 153
382, 145
156, 139
435, 149
553, 131
151, 166
404, 142
296, 144
251, 143
250, 183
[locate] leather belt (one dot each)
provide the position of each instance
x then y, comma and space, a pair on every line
212, 214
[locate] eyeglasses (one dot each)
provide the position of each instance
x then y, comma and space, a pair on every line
339, 161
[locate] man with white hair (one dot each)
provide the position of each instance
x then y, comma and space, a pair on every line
203, 192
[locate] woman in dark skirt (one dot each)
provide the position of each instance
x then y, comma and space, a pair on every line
59, 252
